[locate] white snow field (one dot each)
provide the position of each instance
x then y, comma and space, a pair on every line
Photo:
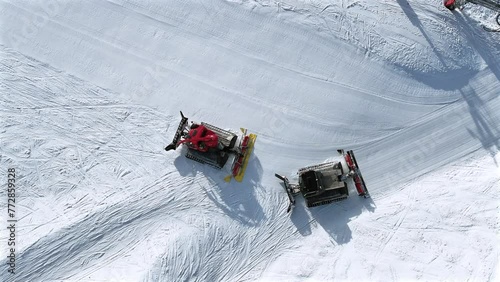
91, 93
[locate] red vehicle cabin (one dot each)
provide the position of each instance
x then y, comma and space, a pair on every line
450, 4
201, 139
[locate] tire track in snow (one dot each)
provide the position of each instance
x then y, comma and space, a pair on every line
394, 229
222, 235
309, 119
224, 273
61, 248
100, 36
107, 231
126, 48
239, 50
280, 140
426, 152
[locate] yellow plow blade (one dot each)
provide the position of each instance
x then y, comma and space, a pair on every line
239, 177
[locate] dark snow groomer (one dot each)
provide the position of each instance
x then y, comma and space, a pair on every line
211, 145
325, 183
490, 4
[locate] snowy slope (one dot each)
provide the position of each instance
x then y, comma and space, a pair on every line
91, 93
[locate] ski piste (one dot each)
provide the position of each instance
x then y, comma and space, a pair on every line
212, 145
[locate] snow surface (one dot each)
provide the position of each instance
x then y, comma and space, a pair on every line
91, 92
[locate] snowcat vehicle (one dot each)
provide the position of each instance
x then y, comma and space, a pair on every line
490, 4
214, 146
325, 183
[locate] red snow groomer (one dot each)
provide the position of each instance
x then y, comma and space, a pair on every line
451, 4
490, 4
325, 183
211, 145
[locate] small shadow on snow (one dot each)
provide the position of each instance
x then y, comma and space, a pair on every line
333, 218
184, 166
236, 200
449, 80
301, 218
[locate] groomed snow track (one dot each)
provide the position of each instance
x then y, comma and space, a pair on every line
91, 93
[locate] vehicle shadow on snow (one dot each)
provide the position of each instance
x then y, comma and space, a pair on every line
333, 218
449, 80
475, 37
486, 129
486, 126
237, 200
413, 17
